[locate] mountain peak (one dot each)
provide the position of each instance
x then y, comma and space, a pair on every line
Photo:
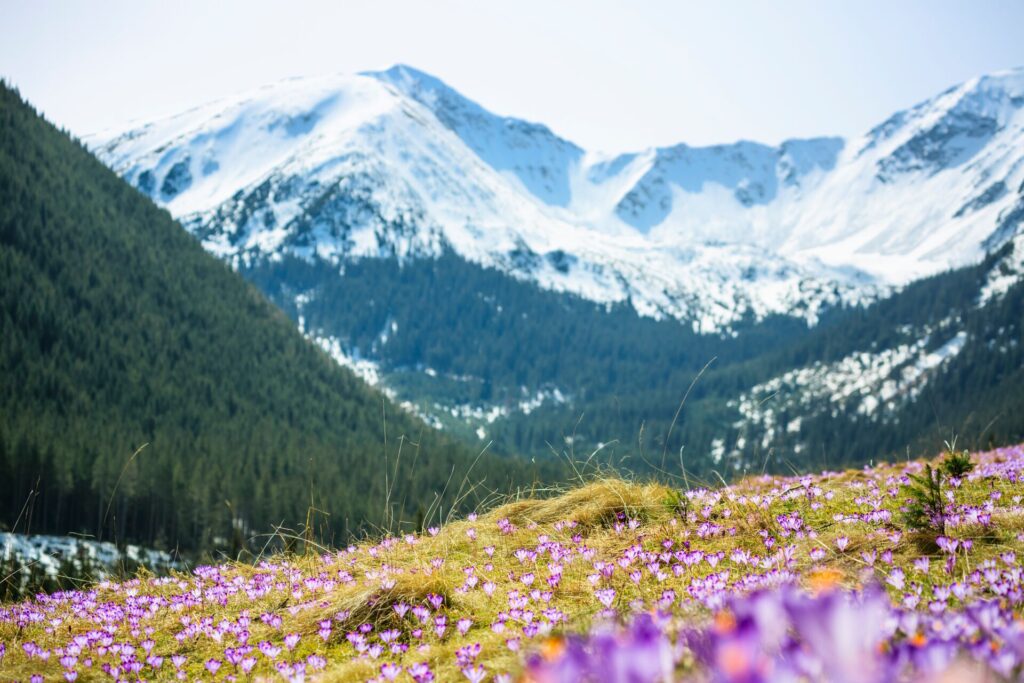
426, 89
404, 73
538, 160
445, 100
1009, 81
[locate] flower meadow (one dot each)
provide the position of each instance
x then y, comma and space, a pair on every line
813, 578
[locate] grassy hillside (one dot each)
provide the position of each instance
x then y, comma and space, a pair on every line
117, 330
822, 577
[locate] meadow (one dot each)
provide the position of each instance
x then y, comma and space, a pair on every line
905, 571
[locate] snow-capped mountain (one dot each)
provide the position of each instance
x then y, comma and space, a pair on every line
384, 211
396, 163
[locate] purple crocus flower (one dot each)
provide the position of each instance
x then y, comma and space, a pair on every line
421, 673
390, 671
843, 631
269, 650
605, 596
896, 579
474, 674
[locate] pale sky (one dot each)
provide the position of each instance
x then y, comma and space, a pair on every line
610, 76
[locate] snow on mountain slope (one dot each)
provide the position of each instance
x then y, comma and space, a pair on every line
871, 383
931, 188
684, 188
397, 163
1008, 271
52, 554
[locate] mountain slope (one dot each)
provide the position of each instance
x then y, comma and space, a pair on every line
118, 330
941, 360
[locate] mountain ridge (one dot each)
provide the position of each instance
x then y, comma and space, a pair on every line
662, 228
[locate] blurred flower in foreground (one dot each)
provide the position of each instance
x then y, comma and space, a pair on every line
640, 653
786, 634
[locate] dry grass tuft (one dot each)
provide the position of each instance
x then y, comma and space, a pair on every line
594, 505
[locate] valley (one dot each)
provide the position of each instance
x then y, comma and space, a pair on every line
521, 292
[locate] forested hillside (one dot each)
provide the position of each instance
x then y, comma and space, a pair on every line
971, 396
117, 330
837, 399
466, 336
498, 336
